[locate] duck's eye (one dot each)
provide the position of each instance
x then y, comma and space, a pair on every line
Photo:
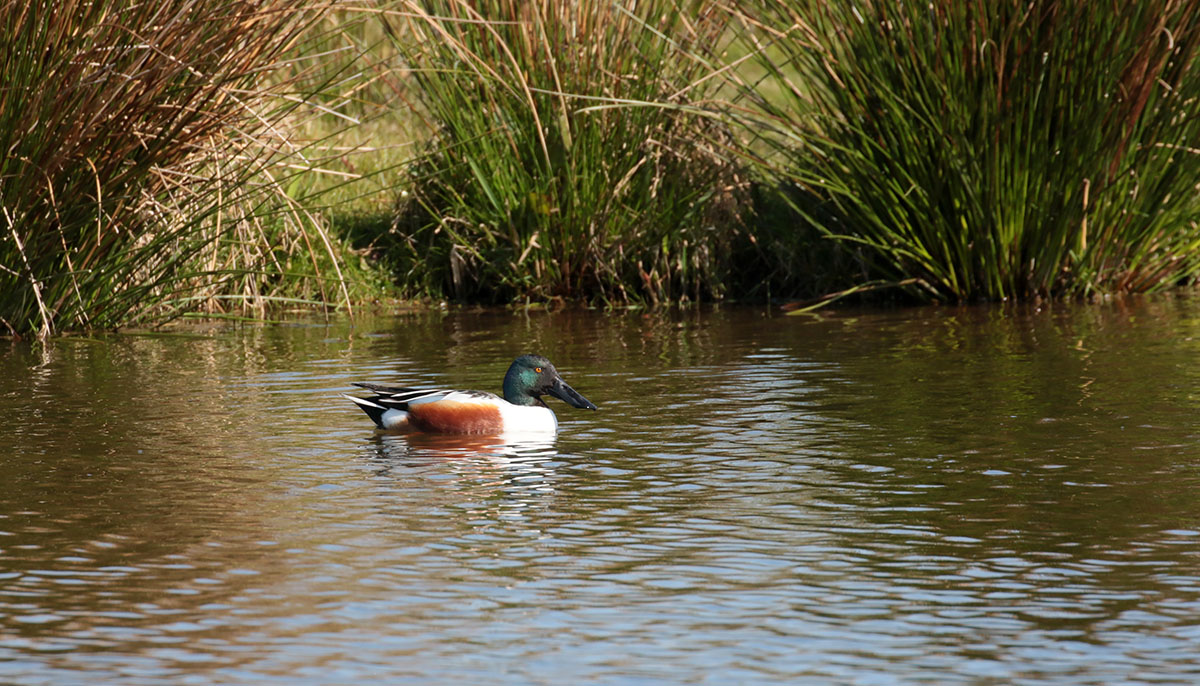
538, 370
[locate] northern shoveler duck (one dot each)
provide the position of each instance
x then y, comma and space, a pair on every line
475, 412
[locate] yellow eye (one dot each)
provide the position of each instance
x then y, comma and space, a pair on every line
538, 370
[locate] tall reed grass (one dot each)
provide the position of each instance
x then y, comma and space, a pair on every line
144, 171
164, 158
990, 149
566, 156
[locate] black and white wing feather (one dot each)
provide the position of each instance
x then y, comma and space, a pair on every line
399, 398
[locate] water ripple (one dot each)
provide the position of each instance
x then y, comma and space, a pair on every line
838, 500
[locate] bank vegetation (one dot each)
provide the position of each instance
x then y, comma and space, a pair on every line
231, 158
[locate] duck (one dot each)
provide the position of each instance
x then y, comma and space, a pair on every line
521, 410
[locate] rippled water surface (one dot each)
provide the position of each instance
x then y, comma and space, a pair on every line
938, 496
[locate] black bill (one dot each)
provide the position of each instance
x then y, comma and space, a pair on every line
559, 389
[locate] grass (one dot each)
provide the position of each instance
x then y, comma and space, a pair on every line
235, 158
149, 169
989, 150
565, 158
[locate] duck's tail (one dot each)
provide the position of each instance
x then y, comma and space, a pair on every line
388, 418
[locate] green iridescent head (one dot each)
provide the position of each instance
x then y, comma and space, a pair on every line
532, 376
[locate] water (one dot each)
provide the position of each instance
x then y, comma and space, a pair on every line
929, 496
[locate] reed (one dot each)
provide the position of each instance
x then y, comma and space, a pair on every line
989, 149
567, 154
147, 170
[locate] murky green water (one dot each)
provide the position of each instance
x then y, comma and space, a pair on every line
938, 496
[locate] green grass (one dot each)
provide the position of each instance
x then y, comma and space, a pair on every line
565, 155
989, 150
234, 159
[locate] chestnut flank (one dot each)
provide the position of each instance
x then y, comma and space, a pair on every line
456, 418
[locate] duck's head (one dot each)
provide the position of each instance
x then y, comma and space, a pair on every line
532, 376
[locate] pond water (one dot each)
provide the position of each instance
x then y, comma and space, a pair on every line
939, 495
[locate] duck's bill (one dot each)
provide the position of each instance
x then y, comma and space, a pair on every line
559, 389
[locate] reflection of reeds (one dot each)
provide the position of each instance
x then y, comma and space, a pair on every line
567, 158
993, 149
137, 173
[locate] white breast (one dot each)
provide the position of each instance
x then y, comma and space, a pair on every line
528, 419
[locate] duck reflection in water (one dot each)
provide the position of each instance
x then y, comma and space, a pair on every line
502, 476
